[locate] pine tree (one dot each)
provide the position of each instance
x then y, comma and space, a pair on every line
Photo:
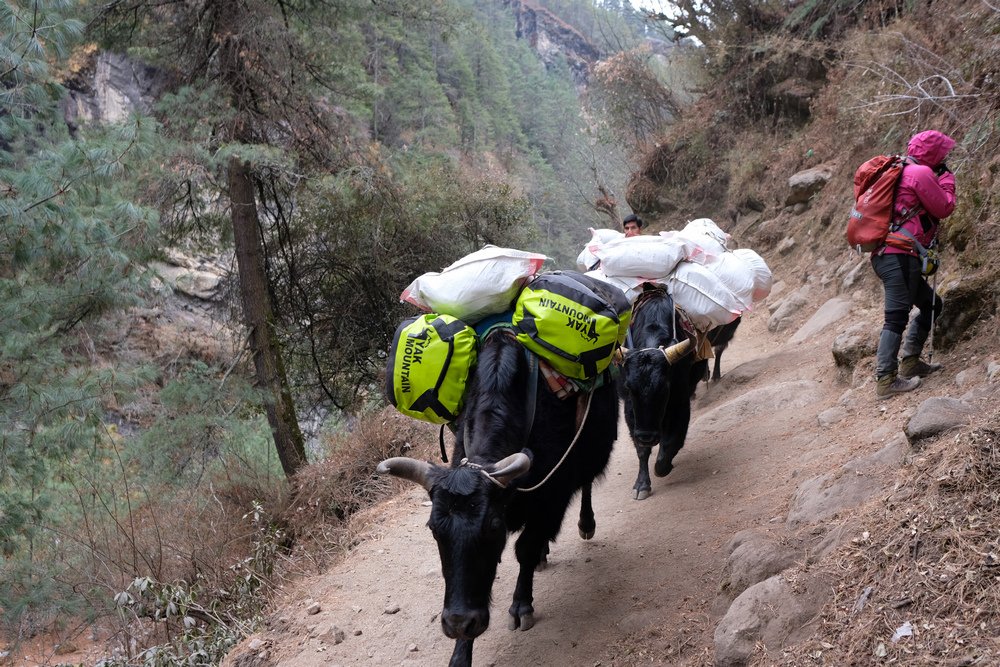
72, 246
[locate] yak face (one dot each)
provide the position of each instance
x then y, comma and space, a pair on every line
468, 525
645, 381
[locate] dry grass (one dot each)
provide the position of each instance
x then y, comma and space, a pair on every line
329, 493
928, 556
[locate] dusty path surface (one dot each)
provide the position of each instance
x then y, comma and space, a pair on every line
644, 590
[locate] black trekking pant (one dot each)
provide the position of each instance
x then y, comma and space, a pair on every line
904, 287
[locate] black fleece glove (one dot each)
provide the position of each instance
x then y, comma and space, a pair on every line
942, 169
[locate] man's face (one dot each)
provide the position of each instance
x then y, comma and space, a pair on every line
631, 229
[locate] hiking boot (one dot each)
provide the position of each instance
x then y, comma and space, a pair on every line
912, 366
891, 384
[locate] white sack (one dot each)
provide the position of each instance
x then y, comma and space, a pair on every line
702, 296
641, 256
736, 274
762, 278
481, 283
632, 287
705, 235
708, 228
586, 260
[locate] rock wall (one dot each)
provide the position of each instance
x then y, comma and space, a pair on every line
109, 87
551, 38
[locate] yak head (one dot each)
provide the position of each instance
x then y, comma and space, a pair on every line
467, 520
646, 379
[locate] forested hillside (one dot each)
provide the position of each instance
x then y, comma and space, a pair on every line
168, 460
316, 158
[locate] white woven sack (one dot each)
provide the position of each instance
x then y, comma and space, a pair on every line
641, 256
706, 236
481, 283
735, 274
586, 260
702, 296
632, 287
762, 277
707, 227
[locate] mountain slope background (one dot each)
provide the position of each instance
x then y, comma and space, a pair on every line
816, 85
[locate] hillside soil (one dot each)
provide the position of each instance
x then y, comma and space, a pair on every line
646, 588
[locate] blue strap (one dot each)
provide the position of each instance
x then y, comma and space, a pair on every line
484, 326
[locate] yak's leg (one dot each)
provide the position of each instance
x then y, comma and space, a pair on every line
716, 370
462, 655
543, 559
674, 433
587, 524
533, 541
699, 372
528, 550
643, 487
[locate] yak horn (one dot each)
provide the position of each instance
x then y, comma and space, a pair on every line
676, 351
511, 467
407, 468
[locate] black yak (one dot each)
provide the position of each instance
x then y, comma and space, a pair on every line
510, 471
657, 381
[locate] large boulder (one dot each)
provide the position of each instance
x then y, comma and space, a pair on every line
855, 343
806, 183
772, 613
829, 313
786, 309
966, 302
823, 497
938, 414
753, 557
769, 400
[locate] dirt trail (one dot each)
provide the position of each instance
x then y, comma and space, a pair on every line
644, 590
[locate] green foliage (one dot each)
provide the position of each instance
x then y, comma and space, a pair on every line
72, 243
822, 18
358, 239
204, 426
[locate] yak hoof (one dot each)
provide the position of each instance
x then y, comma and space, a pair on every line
524, 621
662, 469
542, 565
642, 494
587, 534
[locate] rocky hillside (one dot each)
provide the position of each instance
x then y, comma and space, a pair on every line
770, 151
551, 37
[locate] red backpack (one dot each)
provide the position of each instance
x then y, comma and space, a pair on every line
870, 225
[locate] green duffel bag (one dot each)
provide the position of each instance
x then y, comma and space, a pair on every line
573, 321
428, 366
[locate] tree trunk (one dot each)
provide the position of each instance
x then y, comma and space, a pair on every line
259, 317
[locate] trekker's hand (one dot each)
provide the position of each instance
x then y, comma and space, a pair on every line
942, 169
946, 181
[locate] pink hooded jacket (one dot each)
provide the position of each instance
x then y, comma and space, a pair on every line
920, 189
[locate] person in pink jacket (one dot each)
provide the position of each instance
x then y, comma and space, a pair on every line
925, 194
